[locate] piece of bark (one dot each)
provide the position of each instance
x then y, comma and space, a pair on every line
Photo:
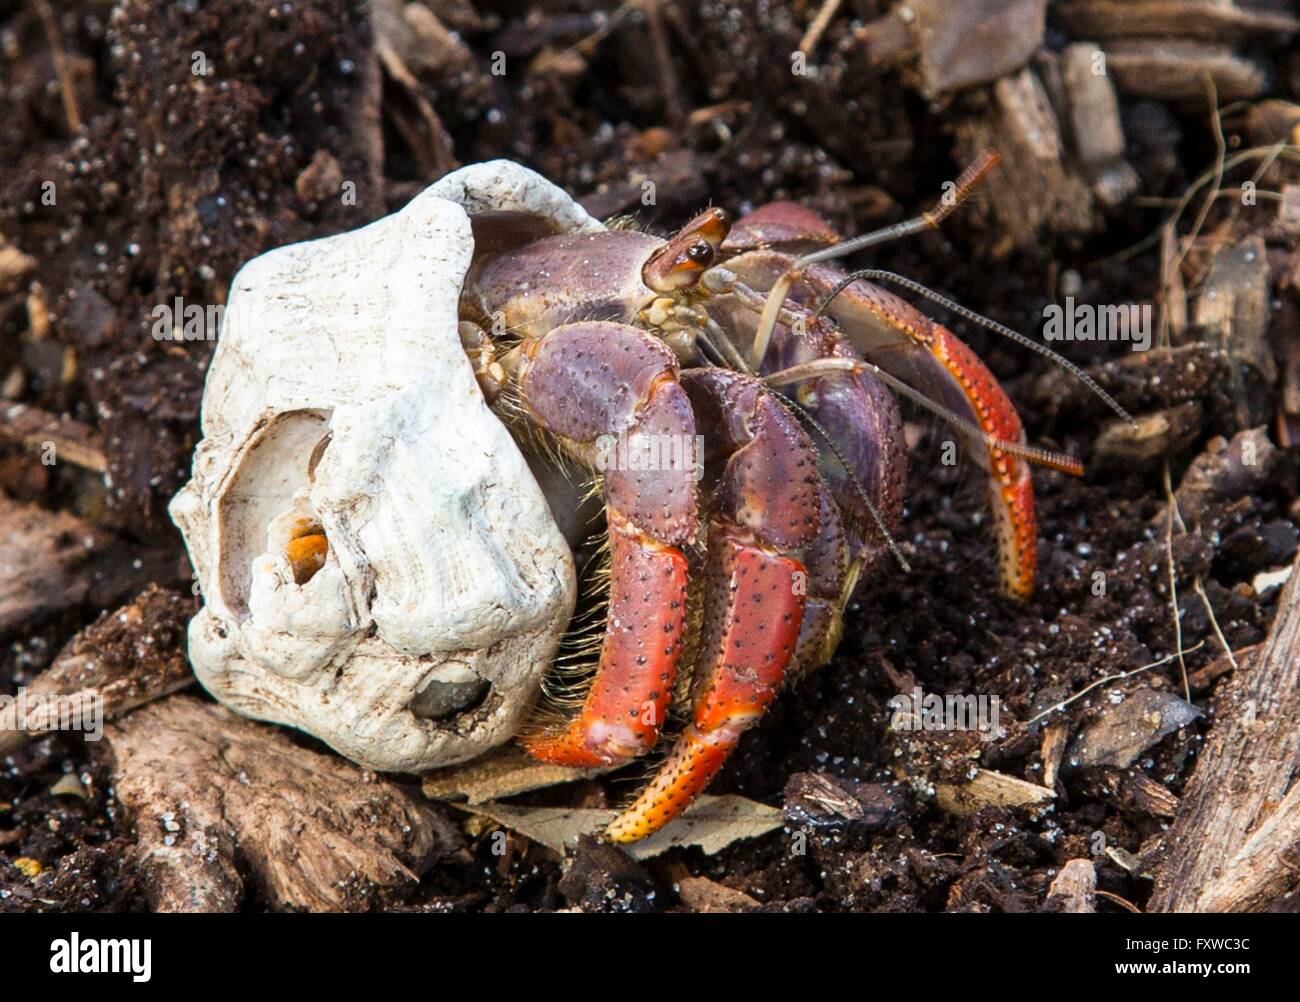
966, 42
1122, 731
51, 562
502, 772
1055, 736
1154, 437
1175, 70
1203, 678
1074, 890
15, 268
989, 789
1233, 311
1222, 473
818, 800
1209, 20
1033, 188
1093, 116
700, 894
1140, 381
1234, 842
62, 438
124, 659
213, 796
1144, 795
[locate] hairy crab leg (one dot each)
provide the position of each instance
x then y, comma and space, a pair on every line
768, 511
582, 382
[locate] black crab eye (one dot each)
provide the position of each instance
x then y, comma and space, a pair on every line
700, 252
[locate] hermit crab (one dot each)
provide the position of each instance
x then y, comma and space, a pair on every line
376, 526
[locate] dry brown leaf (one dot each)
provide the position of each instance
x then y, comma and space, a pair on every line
711, 823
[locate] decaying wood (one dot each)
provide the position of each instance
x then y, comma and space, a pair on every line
1235, 844
214, 797
1203, 678
1144, 795
989, 789
15, 268
1034, 188
1234, 311
1120, 732
1222, 473
51, 562
67, 439
1074, 889
1153, 438
124, 659
1176, 70
700, 894
965, 42
1095, 129
1055, 736
1209, 20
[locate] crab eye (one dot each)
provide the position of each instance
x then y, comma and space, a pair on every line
700, 252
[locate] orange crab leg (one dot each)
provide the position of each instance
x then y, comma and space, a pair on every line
754, 640
769, 497
583, 382
628, 700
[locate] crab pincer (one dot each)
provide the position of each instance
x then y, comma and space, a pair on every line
768, 502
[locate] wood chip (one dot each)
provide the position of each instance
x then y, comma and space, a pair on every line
1233, 844
1122, 731
990, 789
966, 42
700, 894
124, 659
501, 773
214, 797
1075, 888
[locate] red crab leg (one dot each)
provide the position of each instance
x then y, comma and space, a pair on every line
580, 382
768, 510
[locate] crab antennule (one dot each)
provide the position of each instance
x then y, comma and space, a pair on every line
582, 382
769, 509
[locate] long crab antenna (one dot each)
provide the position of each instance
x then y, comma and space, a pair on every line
929, 220
1030, 453
876, 274
858, 487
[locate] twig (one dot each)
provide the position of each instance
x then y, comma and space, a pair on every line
1122, 902
1170, 513
70, 111
821, 22
1102, 681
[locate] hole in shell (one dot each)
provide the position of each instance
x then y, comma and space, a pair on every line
459, 692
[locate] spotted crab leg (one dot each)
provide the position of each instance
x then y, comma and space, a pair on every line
581, 382
767, 511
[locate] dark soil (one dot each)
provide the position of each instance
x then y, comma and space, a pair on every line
169, 186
